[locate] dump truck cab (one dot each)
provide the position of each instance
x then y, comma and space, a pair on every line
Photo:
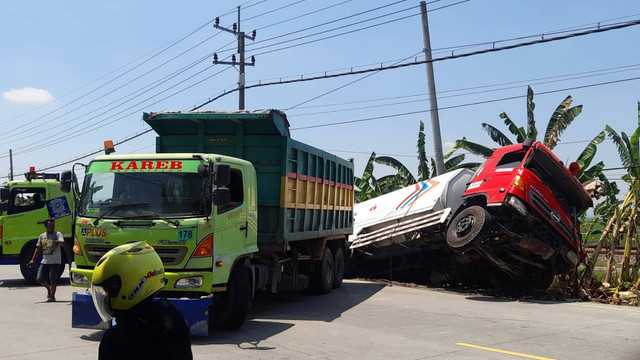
521, 212
24, 205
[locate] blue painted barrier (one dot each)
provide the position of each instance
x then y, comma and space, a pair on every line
195, 312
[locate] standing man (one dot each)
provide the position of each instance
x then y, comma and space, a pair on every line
49, 244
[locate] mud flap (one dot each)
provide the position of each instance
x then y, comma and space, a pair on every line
195, 312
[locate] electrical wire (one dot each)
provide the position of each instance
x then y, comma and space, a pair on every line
508, 47
461, 105
376, 69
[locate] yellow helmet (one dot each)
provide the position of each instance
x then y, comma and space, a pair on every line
125, 276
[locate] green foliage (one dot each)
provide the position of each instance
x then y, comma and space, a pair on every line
474, 148
423, 164
532, 132
559, 121
513, 128
496, 135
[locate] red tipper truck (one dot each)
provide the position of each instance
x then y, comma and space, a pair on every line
518, 213
521, 212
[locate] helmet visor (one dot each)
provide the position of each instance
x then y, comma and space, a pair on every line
102, 302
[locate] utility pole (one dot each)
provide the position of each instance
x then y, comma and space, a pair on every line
235, 30
433, 101
10, 165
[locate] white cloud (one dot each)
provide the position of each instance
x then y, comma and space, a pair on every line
449, 144
28, 95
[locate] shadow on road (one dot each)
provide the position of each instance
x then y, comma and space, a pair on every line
22, 283
272, 314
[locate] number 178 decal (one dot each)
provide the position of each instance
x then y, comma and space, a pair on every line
185, 234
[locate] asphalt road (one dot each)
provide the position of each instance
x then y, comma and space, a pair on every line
360, 320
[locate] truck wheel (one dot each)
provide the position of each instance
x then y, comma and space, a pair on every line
230, 308
467, 228
322, 276
338, 267
29, 274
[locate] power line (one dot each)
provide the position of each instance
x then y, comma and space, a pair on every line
397, 66
461, 105
159, 51
434, 59
83, 131
130, 96
340, 87
325, 24
391, 116
530, 83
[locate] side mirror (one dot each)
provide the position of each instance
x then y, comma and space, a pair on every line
222, 174
221, 196
66, 178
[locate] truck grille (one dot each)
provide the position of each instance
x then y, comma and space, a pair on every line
170, 255
546, 211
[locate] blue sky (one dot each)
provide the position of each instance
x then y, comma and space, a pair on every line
74, 73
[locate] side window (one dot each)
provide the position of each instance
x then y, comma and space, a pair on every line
236, 188
26, 199
512, 159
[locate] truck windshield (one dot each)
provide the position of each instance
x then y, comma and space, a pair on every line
156, 194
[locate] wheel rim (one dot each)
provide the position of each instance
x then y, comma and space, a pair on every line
328, 274
464, 226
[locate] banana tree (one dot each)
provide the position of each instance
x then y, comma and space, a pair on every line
367, 185
629, 152
561, 118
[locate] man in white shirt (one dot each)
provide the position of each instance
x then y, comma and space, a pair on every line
49, 244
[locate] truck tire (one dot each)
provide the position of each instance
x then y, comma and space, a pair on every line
230, 308
29, 273
338, 267
469, 227
323, 273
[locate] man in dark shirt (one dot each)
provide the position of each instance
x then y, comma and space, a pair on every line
123, 285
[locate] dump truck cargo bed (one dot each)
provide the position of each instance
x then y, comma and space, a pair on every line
303, 192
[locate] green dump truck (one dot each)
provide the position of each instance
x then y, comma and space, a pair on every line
231, 203
24, 205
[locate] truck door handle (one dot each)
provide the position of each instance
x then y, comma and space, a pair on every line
245, 227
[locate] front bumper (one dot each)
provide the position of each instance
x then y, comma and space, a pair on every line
183, 281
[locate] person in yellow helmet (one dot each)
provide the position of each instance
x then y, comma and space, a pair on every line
123, 286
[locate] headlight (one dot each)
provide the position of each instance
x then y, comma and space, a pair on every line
189, 282
517, 205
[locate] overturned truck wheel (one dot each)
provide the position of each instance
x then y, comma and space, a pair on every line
468, 228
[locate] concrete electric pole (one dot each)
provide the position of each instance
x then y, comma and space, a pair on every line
235, 30
433, 101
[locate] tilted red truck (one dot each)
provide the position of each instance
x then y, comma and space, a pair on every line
521, 212
518, 214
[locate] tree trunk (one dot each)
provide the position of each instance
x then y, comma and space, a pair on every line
624, 273
596, 252
611, 265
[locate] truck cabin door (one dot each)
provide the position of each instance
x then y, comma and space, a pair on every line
26, 208
230, 221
